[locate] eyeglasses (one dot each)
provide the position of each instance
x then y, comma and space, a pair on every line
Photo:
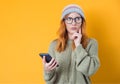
69, 20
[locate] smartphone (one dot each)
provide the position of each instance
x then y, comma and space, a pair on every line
47, 57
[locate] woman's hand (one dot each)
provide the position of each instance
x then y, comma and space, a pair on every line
77, 37
49, 66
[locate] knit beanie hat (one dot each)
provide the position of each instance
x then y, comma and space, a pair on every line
72, 8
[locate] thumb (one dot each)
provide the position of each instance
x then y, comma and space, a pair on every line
44, 61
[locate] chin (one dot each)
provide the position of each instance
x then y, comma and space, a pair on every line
73, 31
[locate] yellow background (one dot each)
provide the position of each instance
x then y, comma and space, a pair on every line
28, 26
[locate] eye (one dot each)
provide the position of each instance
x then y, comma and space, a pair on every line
69, 19
78, 18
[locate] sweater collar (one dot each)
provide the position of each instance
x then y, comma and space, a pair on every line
69, 41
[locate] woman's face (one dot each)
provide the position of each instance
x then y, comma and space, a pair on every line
73, 22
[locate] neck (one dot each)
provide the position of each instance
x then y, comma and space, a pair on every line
70, 36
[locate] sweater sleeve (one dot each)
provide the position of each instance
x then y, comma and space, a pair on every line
87, 62
50, 77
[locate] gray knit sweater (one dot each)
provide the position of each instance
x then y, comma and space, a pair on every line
75, 66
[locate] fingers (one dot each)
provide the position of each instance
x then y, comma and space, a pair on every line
53, 65
51, 62
49, 66
75, 35
44, 61
79, 30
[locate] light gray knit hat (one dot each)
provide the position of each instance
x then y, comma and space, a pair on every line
72, 8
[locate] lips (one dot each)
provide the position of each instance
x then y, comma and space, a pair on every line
73, 28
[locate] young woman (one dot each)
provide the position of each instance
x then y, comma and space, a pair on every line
73, 51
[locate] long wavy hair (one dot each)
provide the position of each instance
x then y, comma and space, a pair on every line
63, 36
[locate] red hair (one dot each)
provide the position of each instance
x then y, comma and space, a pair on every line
63, 36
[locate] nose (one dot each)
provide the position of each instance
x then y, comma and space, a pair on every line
73, 23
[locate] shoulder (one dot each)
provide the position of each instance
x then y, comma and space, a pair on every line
53, 43
93, 41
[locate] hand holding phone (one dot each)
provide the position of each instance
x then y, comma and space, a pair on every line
48, 58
